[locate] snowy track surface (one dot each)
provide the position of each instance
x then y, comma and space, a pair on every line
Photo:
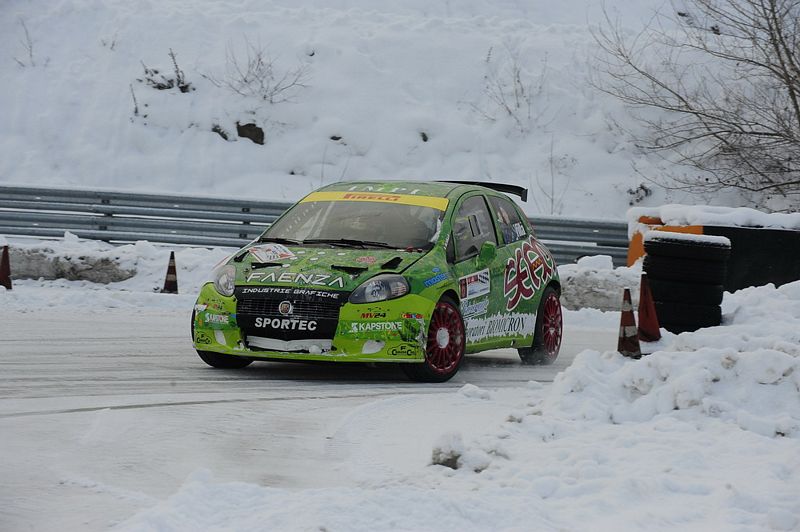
106, 413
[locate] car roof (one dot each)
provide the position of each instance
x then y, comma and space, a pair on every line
440, 189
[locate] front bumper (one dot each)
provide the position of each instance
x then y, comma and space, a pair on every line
389, 331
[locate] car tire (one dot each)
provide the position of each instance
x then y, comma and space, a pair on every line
687, 314
681, 292
548, 331
684, 249
686, 270
444, 351
220, 360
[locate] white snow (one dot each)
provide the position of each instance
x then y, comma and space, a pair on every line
687, 237
702, 434
673, 214
380, 75
150, 261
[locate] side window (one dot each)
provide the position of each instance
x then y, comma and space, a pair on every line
472, 227
508, 220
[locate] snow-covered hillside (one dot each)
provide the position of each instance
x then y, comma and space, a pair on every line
391, 90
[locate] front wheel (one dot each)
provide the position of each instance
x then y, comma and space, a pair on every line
219, 360
547, 334
222, 361
444, 350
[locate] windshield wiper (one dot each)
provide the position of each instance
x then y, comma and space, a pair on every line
348, 242
279, 240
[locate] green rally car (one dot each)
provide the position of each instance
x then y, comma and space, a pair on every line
400, 272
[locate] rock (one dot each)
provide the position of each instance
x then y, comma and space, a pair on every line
44, 263
250, 131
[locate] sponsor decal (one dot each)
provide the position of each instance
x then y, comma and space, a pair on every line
474, 285
285, 308
380, 197
271, 252
403, 350
372, 315
474, 308
382, 188
303, 292
313, 279
499, 325
436, 279
366, 260
201, 338
518, 229
406, 330
412, 316
436, 270
373, 326
221, 319
286, 324
370, 196
529, 269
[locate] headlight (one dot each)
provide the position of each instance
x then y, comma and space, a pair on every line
380, 288
225, 280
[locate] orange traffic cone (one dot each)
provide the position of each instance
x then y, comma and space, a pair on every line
649, 330
628, 339
171, 281
5, 269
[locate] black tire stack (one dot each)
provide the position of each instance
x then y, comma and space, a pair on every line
686, 275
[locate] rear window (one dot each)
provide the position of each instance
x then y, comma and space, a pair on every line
508, 220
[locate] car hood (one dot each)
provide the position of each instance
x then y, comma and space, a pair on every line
317, 267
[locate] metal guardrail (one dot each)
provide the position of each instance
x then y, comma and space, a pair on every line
211, 221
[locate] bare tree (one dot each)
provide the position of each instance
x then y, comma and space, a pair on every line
27, 45
717, 83
510, 90
254, 74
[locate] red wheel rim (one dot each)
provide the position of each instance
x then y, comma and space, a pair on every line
445, 339
552, 324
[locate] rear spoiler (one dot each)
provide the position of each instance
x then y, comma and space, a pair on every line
500, 187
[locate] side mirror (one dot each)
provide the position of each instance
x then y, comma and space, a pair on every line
487, 254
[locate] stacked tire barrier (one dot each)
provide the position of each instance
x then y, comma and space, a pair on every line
686, 275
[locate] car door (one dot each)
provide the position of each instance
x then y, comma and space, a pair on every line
480, 276
527, 266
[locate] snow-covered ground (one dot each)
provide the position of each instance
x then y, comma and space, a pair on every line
110, 418
411, 89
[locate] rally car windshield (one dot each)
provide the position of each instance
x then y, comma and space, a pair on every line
375, 224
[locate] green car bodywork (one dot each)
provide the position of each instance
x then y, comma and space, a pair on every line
300, 301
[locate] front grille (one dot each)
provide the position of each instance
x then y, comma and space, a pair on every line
303, 308
314, 314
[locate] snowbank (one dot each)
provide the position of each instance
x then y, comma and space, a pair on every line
593, 282
701, 435
147, 262
709, 215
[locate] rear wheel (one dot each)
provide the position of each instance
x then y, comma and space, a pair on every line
444, 350
547, 334
219, 360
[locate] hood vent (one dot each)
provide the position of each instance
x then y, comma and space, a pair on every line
259, 265
349, 269
392, 263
